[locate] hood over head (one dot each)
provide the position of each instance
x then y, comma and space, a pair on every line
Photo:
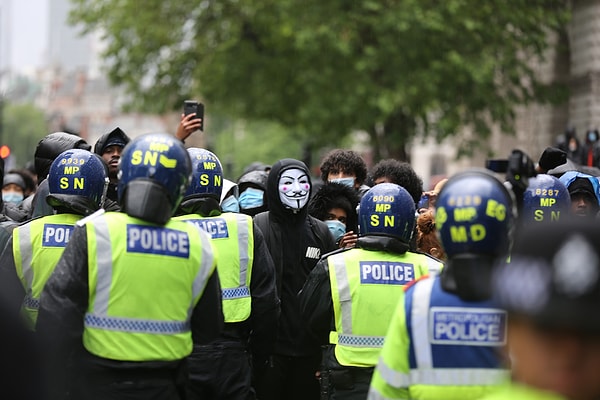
116, 137
50, 146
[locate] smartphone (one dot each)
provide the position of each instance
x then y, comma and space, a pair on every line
495, 165
194, 107
423, 202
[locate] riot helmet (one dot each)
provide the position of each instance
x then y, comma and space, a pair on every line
387, 209
474, 218
545, 199
154, 173
207, 174
77, 181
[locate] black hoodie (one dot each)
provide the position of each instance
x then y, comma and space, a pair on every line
114, 137
296, 241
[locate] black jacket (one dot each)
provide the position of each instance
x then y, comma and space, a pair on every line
296, 241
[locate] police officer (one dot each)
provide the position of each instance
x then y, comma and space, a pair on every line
132, 286
350, 296
77, 183
551, 290
445, 335
545, 199
221, 369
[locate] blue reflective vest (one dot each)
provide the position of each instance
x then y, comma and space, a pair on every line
439, 346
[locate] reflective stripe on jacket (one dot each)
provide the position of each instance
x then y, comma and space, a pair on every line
232, 235
446, 348
37, 247
144, 283
365, 288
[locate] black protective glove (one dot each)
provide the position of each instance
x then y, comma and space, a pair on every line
552, 158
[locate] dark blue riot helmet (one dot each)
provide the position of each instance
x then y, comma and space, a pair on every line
154, 173
207, 174
475, 216
387, 209
545, 199
77, 176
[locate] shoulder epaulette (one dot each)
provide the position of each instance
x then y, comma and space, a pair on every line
90, 217
412, 283
336, 251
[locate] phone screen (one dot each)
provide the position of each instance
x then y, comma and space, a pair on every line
423, 202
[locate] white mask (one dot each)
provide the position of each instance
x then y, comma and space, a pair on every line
294, 188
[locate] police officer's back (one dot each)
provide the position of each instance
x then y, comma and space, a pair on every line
222, 368
76, 182
446, 334
131, 287
350, 296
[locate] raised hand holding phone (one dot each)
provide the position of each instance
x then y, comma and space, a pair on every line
192, 119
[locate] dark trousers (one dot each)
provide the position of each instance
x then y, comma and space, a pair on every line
220, 373
289, 378
351, 383
125, 384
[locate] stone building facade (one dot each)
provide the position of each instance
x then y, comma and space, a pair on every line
574, 61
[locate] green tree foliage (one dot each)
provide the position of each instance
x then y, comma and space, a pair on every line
326, 68
239, 143
23, 125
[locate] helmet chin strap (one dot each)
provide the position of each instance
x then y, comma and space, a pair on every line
147, 200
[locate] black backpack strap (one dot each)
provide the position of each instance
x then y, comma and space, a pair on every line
262, 221
272, 237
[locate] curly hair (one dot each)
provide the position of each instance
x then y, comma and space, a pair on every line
400, 173
426, 236
335, 195
346, 161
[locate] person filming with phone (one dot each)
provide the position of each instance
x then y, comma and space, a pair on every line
192, 119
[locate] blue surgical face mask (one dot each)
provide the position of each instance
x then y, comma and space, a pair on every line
230, 204
12, 197
336, 228
251, 198
345, 181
